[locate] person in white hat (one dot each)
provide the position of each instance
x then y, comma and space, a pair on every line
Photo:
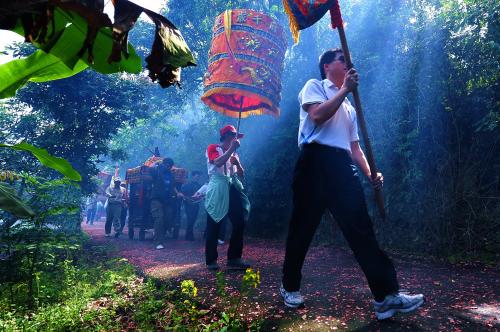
115, 194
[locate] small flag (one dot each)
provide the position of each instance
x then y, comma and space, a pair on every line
304, 13
336, 15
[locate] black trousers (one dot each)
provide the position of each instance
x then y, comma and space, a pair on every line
222, 230
91, 216
177, 218
236, 216
325, 177
110, 213
191, 215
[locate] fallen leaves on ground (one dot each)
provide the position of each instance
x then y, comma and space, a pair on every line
458, 298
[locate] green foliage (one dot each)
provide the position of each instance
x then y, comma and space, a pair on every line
181, 310
87, 290
83, 295
59, 164
230, 319
11, 203
74, 120
38, 67
31, 248
59, 56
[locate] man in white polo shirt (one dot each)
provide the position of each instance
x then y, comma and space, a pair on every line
325, 178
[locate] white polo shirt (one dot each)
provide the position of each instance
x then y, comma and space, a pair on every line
339, 131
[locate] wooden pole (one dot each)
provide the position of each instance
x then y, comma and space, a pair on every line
239, 117
239, 120
379, 198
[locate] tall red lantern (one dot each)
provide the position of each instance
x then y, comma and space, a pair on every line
245, 64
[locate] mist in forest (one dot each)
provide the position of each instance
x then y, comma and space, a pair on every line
428, 86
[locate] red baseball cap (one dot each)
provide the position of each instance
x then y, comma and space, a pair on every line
229, 129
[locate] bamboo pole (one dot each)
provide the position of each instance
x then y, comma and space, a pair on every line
239, 117
379, 198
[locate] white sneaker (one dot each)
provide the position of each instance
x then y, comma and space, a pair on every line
291, 299
220, 242
107, 235
160, 246
399, 302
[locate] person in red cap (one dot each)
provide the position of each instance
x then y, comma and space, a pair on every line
225, 198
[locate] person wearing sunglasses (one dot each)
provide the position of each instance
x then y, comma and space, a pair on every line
325, 178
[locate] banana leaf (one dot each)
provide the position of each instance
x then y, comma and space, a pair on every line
59, 55
169, 52
59, 164
11, 203
38, 67
102, 46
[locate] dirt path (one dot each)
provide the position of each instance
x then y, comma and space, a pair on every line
463, 298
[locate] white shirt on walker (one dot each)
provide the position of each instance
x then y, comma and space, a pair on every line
338, 131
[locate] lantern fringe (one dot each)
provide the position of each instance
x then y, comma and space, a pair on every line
234, 113
294, 25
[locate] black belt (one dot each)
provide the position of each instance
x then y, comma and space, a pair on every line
317, 146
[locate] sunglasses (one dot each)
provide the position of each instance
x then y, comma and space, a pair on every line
341, 59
